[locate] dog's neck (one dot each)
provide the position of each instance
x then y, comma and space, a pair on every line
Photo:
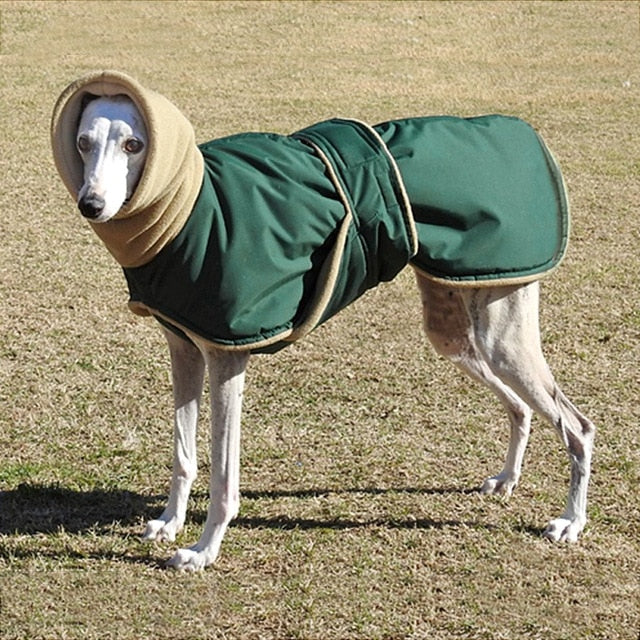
146, 224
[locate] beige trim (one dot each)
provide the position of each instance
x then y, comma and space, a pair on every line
485, 282
565, 191
142, 309
331, 266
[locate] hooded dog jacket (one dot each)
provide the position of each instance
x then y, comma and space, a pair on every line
253, 240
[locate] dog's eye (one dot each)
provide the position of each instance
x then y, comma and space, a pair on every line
133, 145
83, 144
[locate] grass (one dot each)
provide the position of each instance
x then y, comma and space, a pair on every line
361, 450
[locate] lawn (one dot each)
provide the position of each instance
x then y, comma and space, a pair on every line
362, 450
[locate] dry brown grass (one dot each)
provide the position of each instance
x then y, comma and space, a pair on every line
360, 447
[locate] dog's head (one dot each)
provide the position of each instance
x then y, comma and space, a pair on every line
112, 142
128, 157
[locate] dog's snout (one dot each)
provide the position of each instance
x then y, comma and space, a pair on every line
91, 206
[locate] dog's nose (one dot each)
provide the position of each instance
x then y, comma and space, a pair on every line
91, 206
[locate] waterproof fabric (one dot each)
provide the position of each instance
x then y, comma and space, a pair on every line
488, 199
287, 231
253, 240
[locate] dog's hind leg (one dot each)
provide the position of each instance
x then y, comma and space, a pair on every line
493, 334
505, 324
187, 371
226, 378
449, 328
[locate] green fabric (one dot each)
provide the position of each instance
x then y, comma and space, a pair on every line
382, 237
271, 250
487, 197
256, 254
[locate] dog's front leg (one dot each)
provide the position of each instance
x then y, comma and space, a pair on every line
187, 372
226, 378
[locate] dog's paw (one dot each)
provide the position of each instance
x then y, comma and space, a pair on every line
162, 530
188, 560
502, 484
564, 529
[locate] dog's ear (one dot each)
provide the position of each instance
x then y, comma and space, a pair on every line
86, 99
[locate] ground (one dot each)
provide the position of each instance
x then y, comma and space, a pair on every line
362, 451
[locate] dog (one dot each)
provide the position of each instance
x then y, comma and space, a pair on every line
490, 332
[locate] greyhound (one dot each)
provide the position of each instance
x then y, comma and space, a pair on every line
490, 332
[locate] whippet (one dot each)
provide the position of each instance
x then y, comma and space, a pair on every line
490, 332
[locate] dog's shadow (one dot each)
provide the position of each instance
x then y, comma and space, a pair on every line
287, 522
33, 509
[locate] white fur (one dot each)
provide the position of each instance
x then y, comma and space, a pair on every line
491, 333
110, 171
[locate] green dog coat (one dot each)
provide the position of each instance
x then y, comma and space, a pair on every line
288, 229
284, 231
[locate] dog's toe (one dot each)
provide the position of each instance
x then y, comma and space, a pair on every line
187, 560
563, 530
499, 485
161, 530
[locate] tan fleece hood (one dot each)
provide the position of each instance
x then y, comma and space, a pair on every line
170, 182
